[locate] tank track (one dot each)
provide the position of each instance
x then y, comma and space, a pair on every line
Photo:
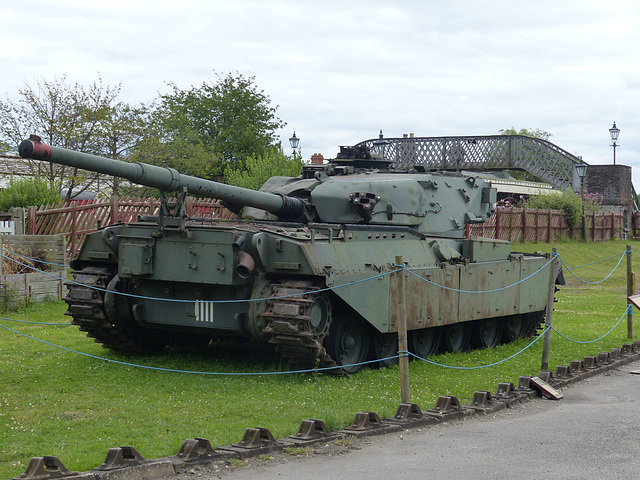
85, 303
288, 326
534, 323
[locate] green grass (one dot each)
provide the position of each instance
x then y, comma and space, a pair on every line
55, 402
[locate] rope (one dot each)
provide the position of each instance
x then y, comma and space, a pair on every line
602, 260
171, 370
401, 353
553, 255
480, 366
30, 258
178, 300
627, 311
355, 282
600, 281
35, 323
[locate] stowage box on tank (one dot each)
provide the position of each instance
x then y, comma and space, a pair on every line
311, 269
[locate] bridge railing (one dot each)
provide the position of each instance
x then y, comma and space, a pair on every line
543, 159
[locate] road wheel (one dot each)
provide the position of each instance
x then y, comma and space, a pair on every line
487, 333
425, 342
348, 342
385, 348
456, 337
514, 327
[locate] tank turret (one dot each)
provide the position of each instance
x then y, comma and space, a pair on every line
355, 188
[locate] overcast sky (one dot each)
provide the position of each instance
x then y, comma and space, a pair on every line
339, 71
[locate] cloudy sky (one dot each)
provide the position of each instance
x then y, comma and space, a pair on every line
339, 71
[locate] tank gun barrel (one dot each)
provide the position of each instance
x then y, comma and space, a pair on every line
165, 179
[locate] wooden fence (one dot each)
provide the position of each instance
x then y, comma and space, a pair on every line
78, 218
532, 225
44, 283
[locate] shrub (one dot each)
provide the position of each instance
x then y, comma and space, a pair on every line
568, 201
27, 192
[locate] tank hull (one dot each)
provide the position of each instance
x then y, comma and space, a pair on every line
164, 285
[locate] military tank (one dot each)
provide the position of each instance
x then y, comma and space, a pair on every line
310, 269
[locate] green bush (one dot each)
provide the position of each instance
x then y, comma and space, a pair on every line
260, 168
568, 201
27, 192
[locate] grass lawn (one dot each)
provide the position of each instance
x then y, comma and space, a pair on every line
75, 407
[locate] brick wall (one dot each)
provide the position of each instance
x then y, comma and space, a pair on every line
613, 182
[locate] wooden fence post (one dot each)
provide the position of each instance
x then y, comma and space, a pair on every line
113, 210
74, 232
31, 213
546, 346
549, 232
402, 332
630, 290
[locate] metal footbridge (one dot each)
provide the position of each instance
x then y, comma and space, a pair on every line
541, 158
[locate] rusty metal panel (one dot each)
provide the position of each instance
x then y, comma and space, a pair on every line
428, 304
488, 277
533, 290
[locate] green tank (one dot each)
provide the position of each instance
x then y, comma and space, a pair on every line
311, 268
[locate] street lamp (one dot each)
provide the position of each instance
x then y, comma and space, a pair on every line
294, 141
581, 170
380, 144
614, 132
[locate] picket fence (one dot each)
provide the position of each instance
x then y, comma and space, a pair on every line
78, 218
533, 225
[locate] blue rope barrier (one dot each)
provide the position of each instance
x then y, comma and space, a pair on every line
35, 323
444, 287
30, 258
601, 260
171, 370
629, 309
600, 281
401, 353
311, 370
398, 268
178, 300
480, 366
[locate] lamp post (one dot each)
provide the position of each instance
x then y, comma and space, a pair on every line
380, 144
294, 141
614, 132
581, 170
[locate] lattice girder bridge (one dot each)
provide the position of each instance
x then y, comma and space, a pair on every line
541, 158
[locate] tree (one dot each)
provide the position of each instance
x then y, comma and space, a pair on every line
68, 116
120, 132
203, 130
5, 148
534, 133
258, 169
